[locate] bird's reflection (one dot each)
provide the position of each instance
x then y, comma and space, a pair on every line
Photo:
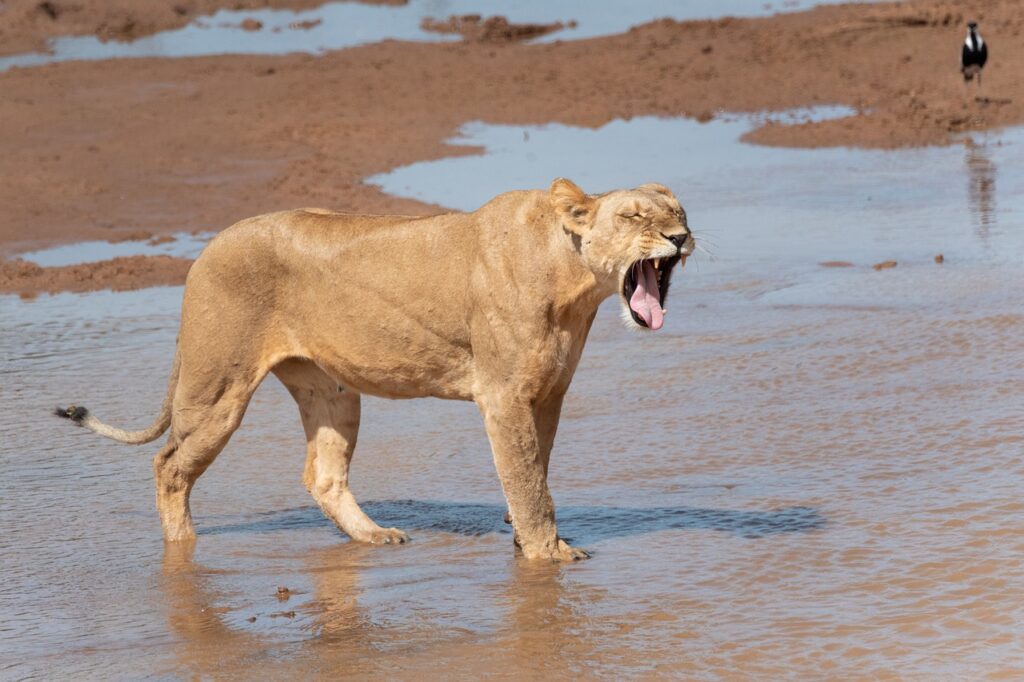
981, 188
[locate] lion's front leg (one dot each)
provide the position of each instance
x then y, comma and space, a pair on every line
546, 415
512, 428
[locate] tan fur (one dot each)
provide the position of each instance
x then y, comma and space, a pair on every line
492, 306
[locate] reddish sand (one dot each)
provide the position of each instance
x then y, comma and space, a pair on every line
119, 274
96, 149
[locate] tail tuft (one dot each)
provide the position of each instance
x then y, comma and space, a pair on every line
82, 417
74, 413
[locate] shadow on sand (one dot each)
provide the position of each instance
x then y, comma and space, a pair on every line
582, 524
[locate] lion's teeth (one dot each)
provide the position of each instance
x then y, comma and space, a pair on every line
657, 262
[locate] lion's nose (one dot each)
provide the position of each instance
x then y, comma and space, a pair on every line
678, 239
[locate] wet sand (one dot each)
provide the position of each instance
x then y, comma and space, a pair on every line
96, 149
117, 274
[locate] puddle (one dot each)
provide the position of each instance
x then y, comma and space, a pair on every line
185, 245
348, 24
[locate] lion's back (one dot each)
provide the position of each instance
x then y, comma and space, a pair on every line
267, 243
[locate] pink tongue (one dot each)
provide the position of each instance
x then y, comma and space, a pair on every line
644, 301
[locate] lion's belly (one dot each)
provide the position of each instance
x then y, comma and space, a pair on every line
396, 360
399, 380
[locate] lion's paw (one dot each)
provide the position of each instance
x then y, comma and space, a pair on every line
567, 553
561, 552
386, 536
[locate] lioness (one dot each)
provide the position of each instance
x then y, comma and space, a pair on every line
492, 306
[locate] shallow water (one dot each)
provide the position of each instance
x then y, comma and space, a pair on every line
809, 472
182, 245
347, 24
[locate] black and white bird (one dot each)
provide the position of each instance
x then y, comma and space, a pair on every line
974, 55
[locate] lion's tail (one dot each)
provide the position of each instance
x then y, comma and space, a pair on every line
82, 417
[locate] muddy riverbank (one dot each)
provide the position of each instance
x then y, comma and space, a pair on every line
93, 150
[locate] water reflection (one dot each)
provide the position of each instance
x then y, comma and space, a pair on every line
531, 618
981, 187
219, 631
196, 612
547, 632
335, 607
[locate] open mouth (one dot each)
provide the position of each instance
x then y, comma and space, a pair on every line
645, 287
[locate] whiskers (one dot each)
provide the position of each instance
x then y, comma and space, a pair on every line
704, 248
709, 252
705, 245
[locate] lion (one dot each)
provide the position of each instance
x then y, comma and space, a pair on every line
492, 306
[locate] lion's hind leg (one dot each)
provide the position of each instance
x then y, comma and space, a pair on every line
206, 413
330, 417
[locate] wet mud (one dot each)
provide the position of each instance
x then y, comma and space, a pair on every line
496, 29
27, 279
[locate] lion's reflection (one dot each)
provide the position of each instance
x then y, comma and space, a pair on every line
196, 613
534, 620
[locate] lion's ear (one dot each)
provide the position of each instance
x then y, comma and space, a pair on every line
572, 204
656, 187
